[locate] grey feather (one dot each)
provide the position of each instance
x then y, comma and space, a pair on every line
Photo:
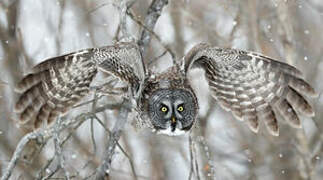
58, 83
252, 85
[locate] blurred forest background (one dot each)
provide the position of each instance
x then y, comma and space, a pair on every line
219, 147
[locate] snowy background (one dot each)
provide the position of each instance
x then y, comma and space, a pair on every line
222, 147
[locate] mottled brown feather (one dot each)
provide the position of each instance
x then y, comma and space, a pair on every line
252, 86
56, 84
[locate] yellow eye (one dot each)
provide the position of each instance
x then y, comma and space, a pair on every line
180, 108
164, 109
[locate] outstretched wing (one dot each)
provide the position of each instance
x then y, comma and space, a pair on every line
58, 83
252, 86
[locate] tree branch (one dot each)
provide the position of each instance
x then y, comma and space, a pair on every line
42, 135
102, 172
20, 147
104, 169
166, 47
153, 14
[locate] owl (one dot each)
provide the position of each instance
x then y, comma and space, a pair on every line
255, 88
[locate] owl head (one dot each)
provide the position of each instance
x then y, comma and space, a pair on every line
172, 111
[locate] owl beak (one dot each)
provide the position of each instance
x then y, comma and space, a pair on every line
173, 120
173, 123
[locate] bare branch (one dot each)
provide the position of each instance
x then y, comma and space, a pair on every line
166, 47
58, 148
191, 157
104, 169
153, 14
42, 135
18, 152
120, 147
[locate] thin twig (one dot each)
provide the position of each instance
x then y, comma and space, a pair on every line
193, 160
156, 58
191, 157
141, 24
18, 152
52, 173
71, 132
120, 147
58, 149
42, 135
196, 164
92, 128
104, 169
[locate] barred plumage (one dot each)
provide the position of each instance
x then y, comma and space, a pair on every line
252, 86
58, 83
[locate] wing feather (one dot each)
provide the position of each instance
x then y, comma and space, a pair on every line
252, 86
58, 83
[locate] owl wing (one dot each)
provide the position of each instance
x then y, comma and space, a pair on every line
252, 86
56, 84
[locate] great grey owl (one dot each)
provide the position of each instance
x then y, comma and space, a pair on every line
252, 86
